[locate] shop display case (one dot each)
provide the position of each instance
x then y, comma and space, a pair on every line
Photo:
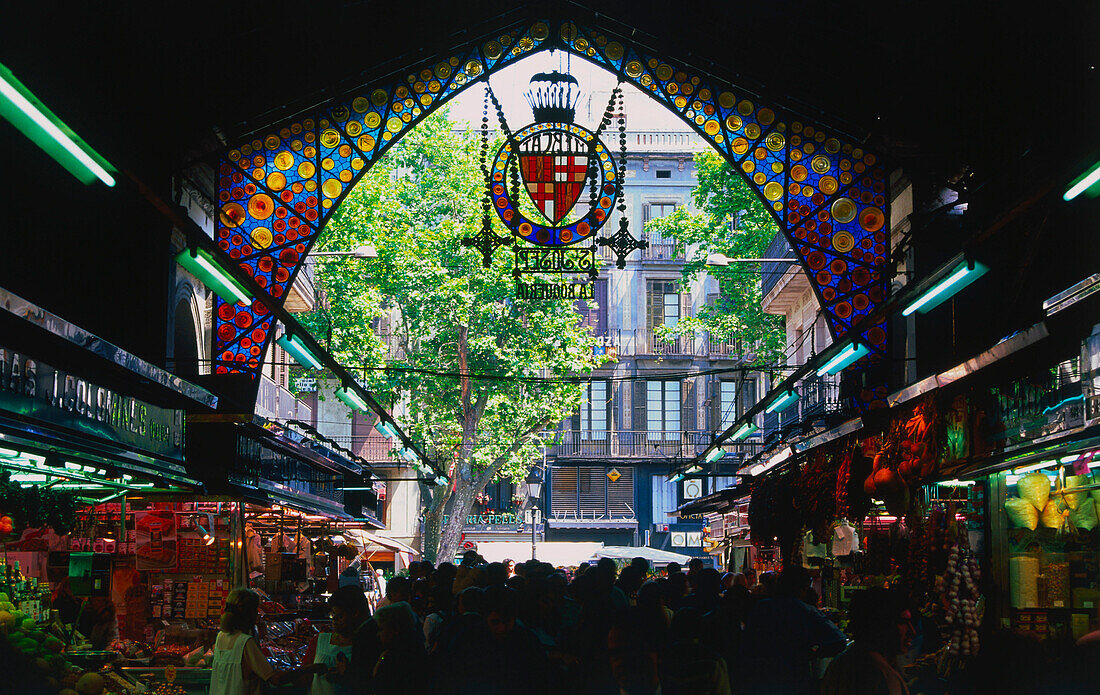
1046, 549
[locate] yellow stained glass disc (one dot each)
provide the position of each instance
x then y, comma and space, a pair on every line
773, 190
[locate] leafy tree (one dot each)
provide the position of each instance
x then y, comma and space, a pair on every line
734, 222
447, 316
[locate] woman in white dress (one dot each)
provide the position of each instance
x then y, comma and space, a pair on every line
239, 667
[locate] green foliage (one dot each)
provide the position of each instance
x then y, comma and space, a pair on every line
432, 300
723, 196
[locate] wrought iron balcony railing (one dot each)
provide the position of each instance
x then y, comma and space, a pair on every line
648, 342
630, 444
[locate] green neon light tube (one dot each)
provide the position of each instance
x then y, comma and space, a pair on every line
204, 267
352, 399
24, 110
782, 402
1083, 183
298, 351
714, 455
386, 430
847, 356
943, 290
744, 431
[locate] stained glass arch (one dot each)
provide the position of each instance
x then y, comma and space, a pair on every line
276, 190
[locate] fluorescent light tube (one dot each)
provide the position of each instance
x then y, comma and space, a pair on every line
352, 399
715, 454
24, 110
963, 275
782, 402
744, 431
203, 266
298, 351
1083, 183
847, 356
386, 430
693, 470
1034, 467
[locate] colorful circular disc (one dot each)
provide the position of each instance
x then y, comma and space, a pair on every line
843, 210
844, 241
872, 219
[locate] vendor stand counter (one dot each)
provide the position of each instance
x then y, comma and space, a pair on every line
189, 680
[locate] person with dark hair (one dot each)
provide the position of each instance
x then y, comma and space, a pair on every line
633, 655
694, 566
496, 574
706, 589
783, 634
690, 663
438, 613
882, 627
348, 608
672, 568
641, 565
675, 590
402, 665
397, 589
514, 654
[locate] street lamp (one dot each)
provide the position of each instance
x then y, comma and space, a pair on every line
534, 491
364, 251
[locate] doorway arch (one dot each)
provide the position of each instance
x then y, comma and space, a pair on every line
278, 188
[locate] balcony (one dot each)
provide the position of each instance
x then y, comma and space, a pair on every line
770, 273
630, 445
663, 141
660, 249
645, 342
277, 403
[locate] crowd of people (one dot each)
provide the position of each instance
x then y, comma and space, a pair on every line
502, 628
496, 628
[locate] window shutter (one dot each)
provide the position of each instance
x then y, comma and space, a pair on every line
639, 399
563, 491
685, 305
600, 295
592, 483
620, 494
687, 419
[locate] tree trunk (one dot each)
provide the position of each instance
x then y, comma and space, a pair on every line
451, 536
433, 522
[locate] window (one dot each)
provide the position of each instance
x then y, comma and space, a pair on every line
593, 420
662, 303
727, 404
660, 209
664, 173
748, 394
660, 247
587, 492
594, 312
662, 410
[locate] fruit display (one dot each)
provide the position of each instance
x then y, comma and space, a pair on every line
131, 649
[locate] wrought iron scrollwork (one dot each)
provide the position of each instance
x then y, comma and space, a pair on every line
622, 243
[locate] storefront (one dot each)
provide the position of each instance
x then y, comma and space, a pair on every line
974, 493
129, 509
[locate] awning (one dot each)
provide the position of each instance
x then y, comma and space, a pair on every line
719, 501
657, 557
557, 553
366, 538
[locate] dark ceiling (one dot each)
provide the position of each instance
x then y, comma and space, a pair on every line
938, 85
